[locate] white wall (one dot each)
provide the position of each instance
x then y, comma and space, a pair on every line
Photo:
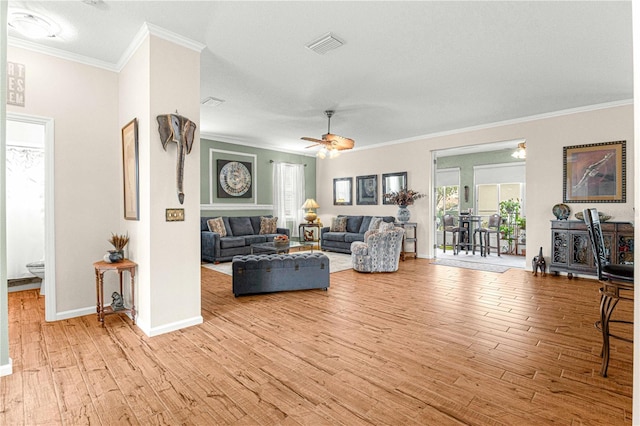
80, 98
545, 138
5, 361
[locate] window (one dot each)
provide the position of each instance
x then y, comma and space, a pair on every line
288, 195
447, 193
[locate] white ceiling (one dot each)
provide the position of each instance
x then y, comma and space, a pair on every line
407, 69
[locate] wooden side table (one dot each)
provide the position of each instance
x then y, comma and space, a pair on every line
409, 241
101, 267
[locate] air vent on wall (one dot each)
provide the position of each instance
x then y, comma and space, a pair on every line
325, 43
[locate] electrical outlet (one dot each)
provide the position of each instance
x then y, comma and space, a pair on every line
175, 215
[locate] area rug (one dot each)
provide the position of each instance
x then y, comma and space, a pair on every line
337, 262
472, 265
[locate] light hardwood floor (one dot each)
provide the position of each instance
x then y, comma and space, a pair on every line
427, 345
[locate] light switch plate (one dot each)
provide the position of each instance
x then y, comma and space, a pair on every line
175, 215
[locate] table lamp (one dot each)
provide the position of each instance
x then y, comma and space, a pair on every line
310, 215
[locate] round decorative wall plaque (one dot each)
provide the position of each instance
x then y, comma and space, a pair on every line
235, 178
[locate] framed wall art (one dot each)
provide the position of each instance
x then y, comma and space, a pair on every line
367, 190
130, 170
595, 173
342, 189
235, 179
232, 178
393, 182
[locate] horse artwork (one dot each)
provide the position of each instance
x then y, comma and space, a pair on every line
538, 262
181, 130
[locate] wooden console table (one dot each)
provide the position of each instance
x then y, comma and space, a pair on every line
101, 267
571, 249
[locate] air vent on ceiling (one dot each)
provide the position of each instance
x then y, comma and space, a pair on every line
211, 101
325, 43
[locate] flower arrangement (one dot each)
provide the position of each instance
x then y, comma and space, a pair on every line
119, 241
404, 197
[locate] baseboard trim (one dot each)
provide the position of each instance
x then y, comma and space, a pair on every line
6, 369
168, 328
75, 313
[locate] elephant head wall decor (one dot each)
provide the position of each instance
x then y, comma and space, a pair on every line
181, 130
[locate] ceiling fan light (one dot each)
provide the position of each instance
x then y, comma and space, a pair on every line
333, 153
521, 152
322, 153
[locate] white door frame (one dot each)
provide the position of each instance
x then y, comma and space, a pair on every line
49, 222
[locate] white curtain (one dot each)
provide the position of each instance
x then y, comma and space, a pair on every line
288, 195
25, 209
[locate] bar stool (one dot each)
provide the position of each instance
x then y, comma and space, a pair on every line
614, 279
449, 225
478, 233
492, 228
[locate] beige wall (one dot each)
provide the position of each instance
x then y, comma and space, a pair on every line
160, 78
80, 99
174, 246
89, 106
545, 141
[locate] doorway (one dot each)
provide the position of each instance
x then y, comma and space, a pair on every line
31, 140
463, 178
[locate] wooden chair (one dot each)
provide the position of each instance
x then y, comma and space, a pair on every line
614, 279
493, 227
449, 225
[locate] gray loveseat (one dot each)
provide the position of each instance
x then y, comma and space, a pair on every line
356, 227
242, 231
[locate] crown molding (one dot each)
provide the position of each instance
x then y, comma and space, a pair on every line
150, 29
146, 30
543, 116
62, 54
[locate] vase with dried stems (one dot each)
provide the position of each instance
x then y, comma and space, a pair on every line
118, 242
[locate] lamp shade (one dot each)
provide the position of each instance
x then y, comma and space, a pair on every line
310, 204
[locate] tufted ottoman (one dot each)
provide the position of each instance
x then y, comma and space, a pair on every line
266, 273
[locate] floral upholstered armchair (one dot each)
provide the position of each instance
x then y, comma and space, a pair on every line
380, 250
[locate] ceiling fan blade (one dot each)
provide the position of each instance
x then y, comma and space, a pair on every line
317, 141
311, 146
339, 142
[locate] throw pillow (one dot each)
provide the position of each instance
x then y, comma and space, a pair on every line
268, 225
386, 226
375, 223
217, 225
339, 224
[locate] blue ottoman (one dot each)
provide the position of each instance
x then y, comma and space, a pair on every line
266, 273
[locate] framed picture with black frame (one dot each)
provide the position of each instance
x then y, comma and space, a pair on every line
342, 189
367, 190
393, 182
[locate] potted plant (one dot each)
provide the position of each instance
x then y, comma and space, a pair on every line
509, 210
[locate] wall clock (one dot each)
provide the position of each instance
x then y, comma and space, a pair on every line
234, 179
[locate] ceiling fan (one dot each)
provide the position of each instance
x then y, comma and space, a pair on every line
330, 142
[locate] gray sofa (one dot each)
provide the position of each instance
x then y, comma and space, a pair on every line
242, 231
356, 227
266, 273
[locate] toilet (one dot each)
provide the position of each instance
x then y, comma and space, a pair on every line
37, 269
